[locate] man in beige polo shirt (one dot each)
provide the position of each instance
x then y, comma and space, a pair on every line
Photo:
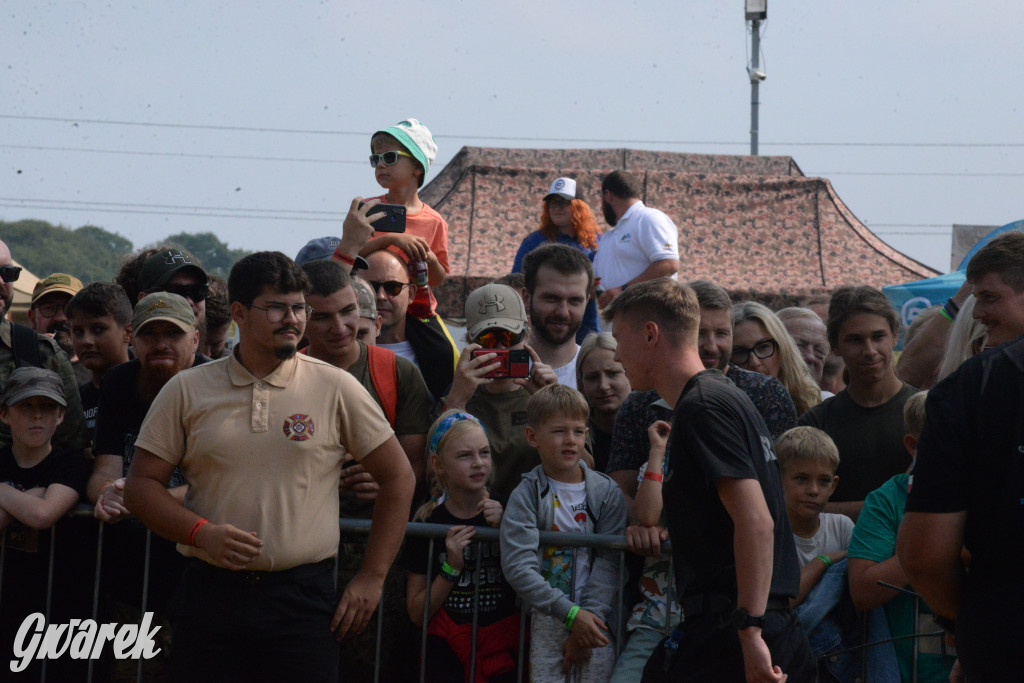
261, 436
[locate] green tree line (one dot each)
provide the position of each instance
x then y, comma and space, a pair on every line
93, 254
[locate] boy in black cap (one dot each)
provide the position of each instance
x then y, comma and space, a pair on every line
32, 406
40, 484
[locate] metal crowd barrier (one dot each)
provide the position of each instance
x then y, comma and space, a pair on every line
434, 532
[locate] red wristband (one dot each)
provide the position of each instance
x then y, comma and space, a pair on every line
195, 530
344, 258
653, 476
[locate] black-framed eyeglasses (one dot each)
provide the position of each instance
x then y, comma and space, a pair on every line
49, 309
391, 287
196, 293
10, 273
765, 348
277, 312
389, 158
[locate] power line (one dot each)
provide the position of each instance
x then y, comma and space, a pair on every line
69, 203
292, 214
908, 232
172, 213
44, 148
233, 157
305, 131
939, 174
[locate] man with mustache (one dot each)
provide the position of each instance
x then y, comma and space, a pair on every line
643, 243
558, 281
20, 345
261, 437
46, 314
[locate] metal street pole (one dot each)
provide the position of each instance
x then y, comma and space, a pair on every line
755, 81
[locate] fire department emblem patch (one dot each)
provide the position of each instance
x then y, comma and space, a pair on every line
299, 427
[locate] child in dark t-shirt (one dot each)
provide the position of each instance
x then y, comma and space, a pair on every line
460, 469
38, 486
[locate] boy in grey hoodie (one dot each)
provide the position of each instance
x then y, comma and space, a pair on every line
571, 596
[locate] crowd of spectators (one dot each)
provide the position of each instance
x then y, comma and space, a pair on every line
113, 396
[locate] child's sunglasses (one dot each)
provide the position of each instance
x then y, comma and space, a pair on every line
389, 158
492, 339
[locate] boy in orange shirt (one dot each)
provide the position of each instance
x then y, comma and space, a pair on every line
401, 157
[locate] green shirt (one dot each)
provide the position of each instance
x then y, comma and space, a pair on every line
874, 539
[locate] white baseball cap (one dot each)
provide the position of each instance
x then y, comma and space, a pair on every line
564, 188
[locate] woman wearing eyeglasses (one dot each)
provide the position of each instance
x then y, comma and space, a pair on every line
567, 219
761, 343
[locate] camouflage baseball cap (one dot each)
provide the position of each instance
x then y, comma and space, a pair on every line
366, 298
26, 382
158, 269
163, 306
58, 282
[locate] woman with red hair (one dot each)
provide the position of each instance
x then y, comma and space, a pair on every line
567, 219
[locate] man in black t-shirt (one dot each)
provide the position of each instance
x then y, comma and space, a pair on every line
865, 420
968, 490
733, 548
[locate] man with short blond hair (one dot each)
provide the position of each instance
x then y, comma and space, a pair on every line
722, 494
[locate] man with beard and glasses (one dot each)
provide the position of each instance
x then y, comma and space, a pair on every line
558, 279
261, 436
643, 243
21, 345
46, 315
164, 336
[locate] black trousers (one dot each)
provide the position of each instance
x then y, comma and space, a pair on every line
709, 650
254, 626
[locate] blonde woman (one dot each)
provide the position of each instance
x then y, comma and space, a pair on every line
761, 343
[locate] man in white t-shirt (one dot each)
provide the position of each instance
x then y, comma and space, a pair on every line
643, 243
558, 282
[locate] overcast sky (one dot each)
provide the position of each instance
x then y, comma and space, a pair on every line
252, 119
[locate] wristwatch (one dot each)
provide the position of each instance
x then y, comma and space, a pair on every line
741, 619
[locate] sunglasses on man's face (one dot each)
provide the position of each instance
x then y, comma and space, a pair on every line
391, 287
389, 158
493, 339
195, 293
10, 273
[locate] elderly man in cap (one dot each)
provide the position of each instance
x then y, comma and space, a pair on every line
21, 346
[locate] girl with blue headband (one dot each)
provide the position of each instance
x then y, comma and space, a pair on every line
459, 470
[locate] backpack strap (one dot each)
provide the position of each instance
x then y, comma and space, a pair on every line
25, 344
384, 375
